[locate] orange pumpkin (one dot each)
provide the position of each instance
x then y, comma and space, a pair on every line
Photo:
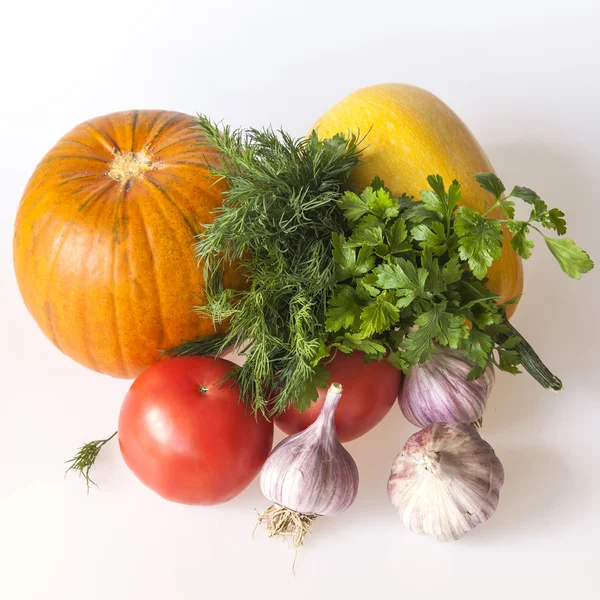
103, 239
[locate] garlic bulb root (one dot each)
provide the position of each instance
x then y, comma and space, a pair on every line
289, 524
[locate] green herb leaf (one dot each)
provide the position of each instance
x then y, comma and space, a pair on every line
396, 236
344, 257
433, 238
437, 185
383, 206
519, 242
508, 208
491, 183
478, 346
353, 206
432, 202
454, 196
479, 240
554, 219
377, 183
508, 361
354, 341
434, 324
344, 309
379, 316
419, 213
572, 260
370, 236
452, 271
540, 208
404, 278
348, 263
525, 194
452, 329
308, 392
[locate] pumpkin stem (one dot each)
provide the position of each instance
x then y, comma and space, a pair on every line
532, 362
129, 165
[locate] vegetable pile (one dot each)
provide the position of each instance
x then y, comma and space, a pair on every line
341, 297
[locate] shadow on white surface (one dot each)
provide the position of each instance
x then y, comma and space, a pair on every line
534, 495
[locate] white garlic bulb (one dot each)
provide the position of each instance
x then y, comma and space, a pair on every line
446, 481
310, 472
437, 391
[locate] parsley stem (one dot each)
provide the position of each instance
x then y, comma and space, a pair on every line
490, 209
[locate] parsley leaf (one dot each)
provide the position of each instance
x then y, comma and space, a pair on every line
379, 316
479, 240
355, 341
344, 309
404, 278
433, 237
438, 201
383, 206
508, 208
491, 183
308, 392
437, 185
396, 236
347, 263
433, 324
572, 260
519, 242
478, 346
452, 271
353, 206
554, 219
525, 194
432, 202
371, 236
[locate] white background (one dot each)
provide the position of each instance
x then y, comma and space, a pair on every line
525, 78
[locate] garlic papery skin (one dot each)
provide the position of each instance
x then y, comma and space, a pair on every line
311, 472
437, 391
446, 481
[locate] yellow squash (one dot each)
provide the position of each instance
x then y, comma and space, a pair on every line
411, 134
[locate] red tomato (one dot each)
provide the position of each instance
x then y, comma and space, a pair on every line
189, 438
370, 390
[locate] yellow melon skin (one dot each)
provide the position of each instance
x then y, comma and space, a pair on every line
410, 134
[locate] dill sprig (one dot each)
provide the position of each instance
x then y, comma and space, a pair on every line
85, 458
275, 224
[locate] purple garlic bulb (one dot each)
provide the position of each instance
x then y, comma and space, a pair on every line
310, 472
446, 481
437, 391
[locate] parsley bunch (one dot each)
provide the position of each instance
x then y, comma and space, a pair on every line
412, 273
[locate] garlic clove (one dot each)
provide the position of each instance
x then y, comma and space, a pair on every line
437, 391
446, 481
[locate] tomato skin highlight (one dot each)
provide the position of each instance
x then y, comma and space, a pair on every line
187, 437
370, 391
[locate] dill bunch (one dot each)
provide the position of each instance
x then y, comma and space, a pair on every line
276, 224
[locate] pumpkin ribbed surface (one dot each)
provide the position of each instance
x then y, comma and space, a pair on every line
103, 239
